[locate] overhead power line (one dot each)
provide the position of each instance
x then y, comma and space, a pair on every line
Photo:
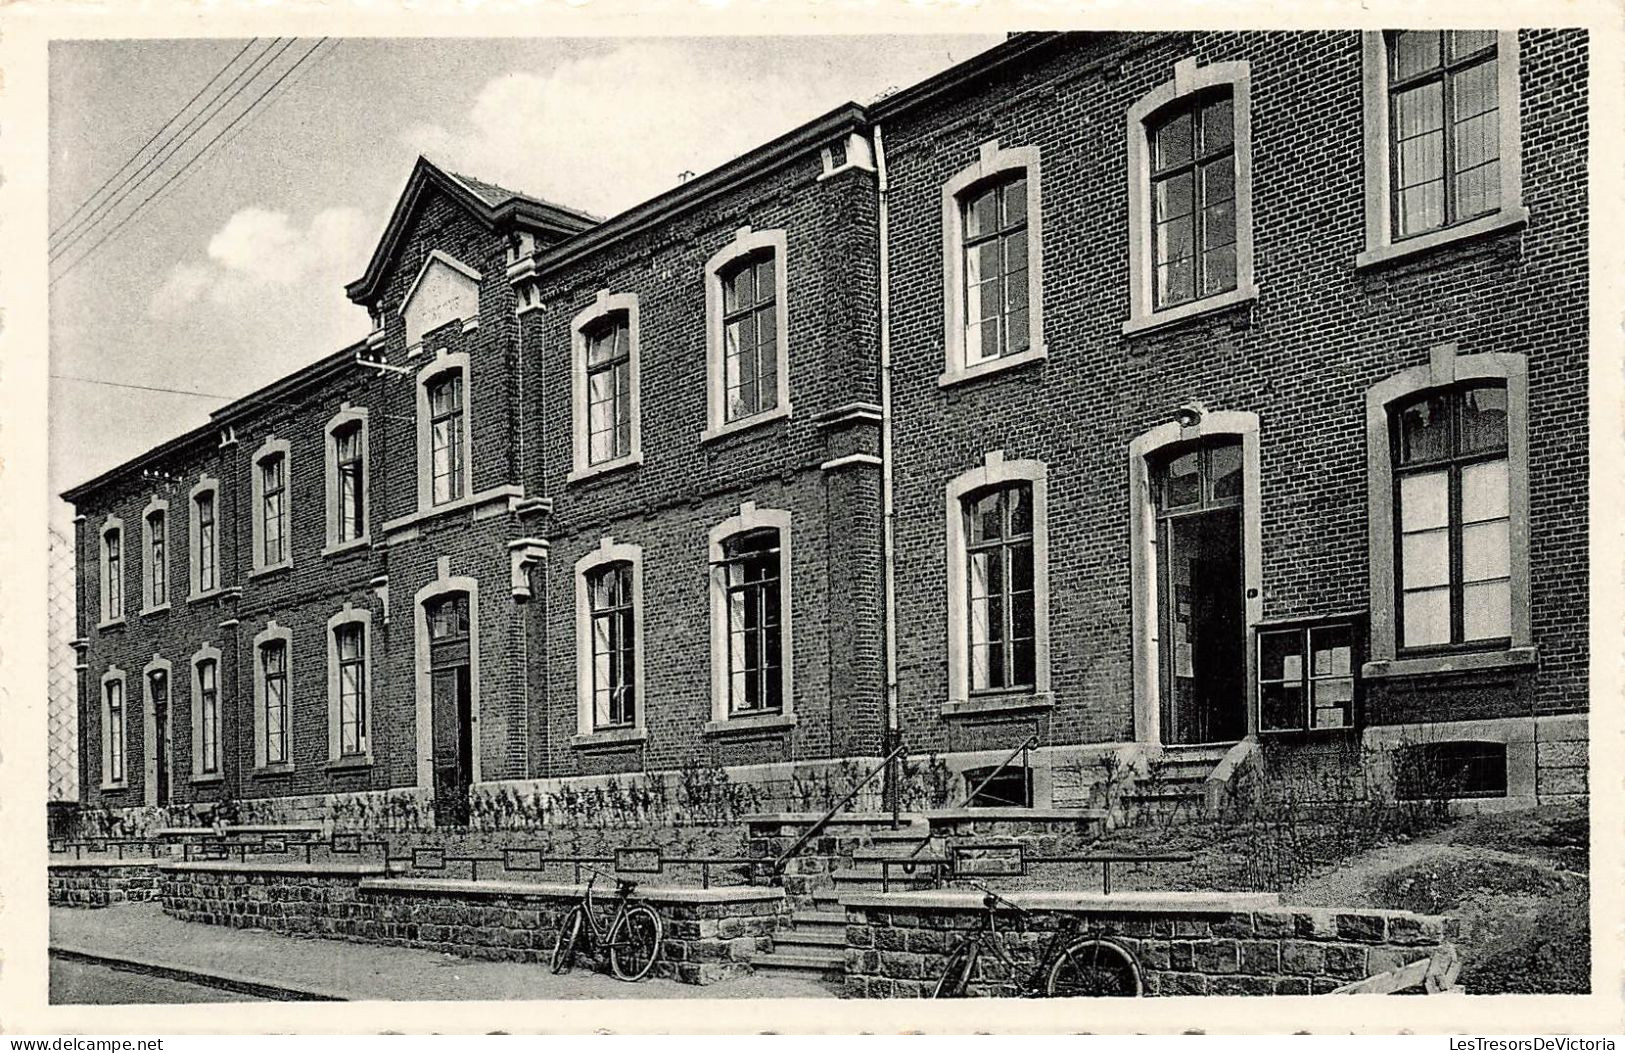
199, 394
170, 147
73, 218
188, 164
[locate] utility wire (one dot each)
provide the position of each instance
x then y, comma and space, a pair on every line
183, 169
170, 147
202, 394
74, 217
233, 133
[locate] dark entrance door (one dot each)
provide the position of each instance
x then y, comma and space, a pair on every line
158, 696
1202, 629
450, 706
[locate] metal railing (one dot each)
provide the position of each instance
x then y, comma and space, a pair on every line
823, 821
941, 868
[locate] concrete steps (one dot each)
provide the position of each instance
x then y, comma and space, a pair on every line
1176, 782
815, 943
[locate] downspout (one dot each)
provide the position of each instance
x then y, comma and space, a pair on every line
888, 509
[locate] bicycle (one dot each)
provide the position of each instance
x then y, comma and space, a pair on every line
632, 936
1069, 966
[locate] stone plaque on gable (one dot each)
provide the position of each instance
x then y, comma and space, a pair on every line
445, 291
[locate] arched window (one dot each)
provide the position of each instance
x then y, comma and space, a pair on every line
273, 547
747, 350
1190, 195
112, 571
447, 455
347, 479
751, 640
1002, 628
604, 386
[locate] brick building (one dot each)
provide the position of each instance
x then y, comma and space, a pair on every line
1144, 393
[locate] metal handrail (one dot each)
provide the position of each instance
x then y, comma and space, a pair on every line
1026, 744
818, 827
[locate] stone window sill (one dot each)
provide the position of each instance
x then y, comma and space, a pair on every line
115, 787
506, 494
1506, 219
112, 623
609, 738
745, 423
162, 608
340, 547
745, 725
275, 568
203, 778
960, 374
268, 770
1016, 702
1445, 664
1147, 323
592, 471
355, 762
208, 595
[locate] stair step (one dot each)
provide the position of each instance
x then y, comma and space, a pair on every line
818, 917
800, 961
812, 938
905, 833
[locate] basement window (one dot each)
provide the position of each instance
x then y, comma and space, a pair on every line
1450, 770
1010, 788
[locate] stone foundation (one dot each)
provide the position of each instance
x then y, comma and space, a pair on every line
1187, 944
709, 934
102, 882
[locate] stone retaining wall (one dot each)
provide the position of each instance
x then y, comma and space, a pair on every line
710, 934
100, 882
1187, 944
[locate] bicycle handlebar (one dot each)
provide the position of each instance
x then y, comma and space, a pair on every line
992, 900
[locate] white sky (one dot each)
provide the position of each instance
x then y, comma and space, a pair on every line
235, 275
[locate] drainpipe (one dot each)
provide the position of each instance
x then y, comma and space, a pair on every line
888, 509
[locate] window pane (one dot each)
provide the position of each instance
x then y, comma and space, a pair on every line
1218, 125
1427, 617
1418, 113
1487, 610
1426, 559
982, 214
1415, 51
1280, 655
987, 517
1015, 202
1022, 662
1019, 499
1281, 706
1183, 482
1173, 197
1424, 429
1478, 191
1483, 419
1465, 42
1219, 270
1484, 491
1421, 208
1484, 552
1333, 651
1173, 141
1175, 282
1224, 469
766, 279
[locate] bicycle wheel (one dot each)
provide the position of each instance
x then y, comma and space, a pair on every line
569, 942
1093, 968
956, 973
634, 943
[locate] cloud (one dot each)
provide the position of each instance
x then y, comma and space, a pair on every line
259, 251
606, 131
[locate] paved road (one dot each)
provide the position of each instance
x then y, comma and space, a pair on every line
88, 983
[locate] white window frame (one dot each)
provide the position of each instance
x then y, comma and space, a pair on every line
444, 583
110, 615
208, 653
270, 448
604, 305
115, 674
272, 633
444, 362
995, 471
609, 551
992, 162
346, 417
1189, 79
1446, 369
1380, 246
349, 615
746, 242
750, 518
149, 603
208, 486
